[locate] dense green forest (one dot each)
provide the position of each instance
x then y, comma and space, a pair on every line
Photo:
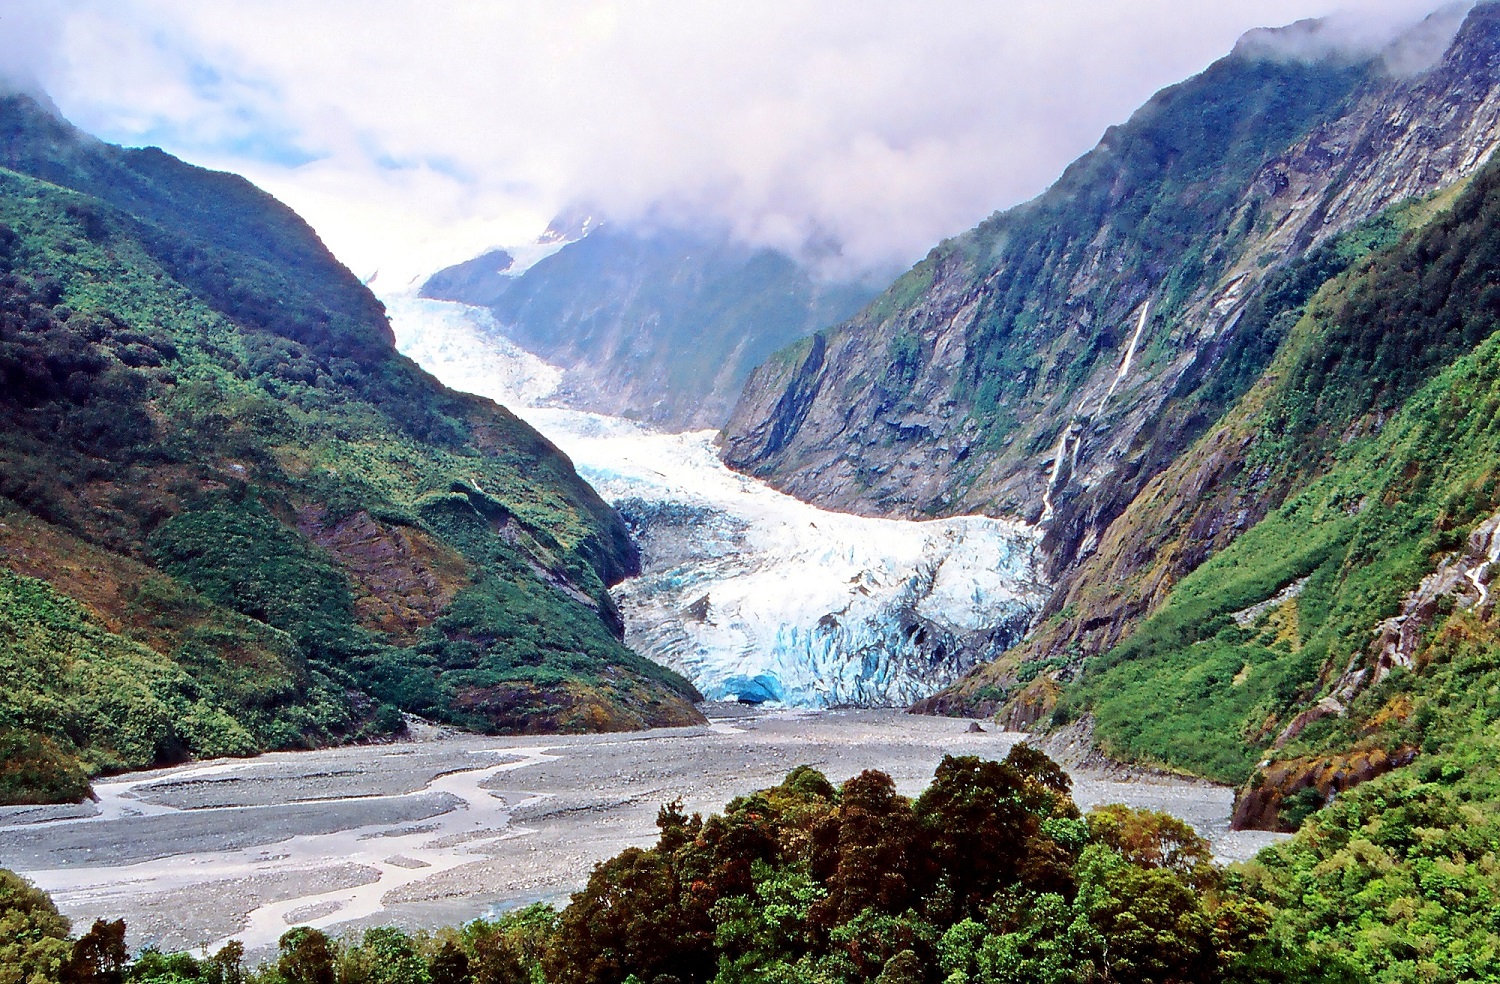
990, 876
233, 518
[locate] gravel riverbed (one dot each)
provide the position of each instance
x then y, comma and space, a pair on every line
447, 827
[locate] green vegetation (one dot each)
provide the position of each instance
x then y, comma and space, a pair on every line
1304, 574
1246, 593
989, 876
276, 531
79, 698
33, 936
1383, 419
1400, 877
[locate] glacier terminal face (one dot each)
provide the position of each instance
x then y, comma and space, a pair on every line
752, 594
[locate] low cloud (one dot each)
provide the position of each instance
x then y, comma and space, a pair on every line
1381, 30
416, 134
28, 42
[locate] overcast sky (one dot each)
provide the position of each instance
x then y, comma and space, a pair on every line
413, 134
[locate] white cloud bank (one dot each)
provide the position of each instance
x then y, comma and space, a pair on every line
413, 134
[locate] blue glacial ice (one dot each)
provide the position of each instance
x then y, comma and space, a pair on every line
755, 595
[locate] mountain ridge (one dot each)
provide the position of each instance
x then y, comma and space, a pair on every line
215, 468
1180, 412
838, 444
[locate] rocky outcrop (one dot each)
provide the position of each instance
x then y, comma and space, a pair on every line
1461, 581
404, 577
1272, 801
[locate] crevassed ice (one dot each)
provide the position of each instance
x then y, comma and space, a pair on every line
753, 594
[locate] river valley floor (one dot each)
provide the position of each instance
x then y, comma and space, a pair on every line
447, 827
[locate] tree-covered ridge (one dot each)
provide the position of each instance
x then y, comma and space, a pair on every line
234, 470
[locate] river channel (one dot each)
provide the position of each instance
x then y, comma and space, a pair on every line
448, 827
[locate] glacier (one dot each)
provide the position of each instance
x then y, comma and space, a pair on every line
752, 594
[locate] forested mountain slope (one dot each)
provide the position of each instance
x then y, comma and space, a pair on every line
233, 518
1351, 628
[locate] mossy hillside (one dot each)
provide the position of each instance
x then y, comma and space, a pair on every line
213, 233
253, 666
143, 422
267, 405
84, 700
1197, 690
257, 395
1399, 877
1387, 430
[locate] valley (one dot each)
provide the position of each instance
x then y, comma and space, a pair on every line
656, 601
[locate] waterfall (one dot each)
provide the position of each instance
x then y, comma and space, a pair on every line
1067, 447
1478, 572
1071, 441
1124, 369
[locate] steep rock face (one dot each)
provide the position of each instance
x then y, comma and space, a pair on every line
998, 375
404, 577
662, 326
1253, 493
1283, 795
1338, 378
